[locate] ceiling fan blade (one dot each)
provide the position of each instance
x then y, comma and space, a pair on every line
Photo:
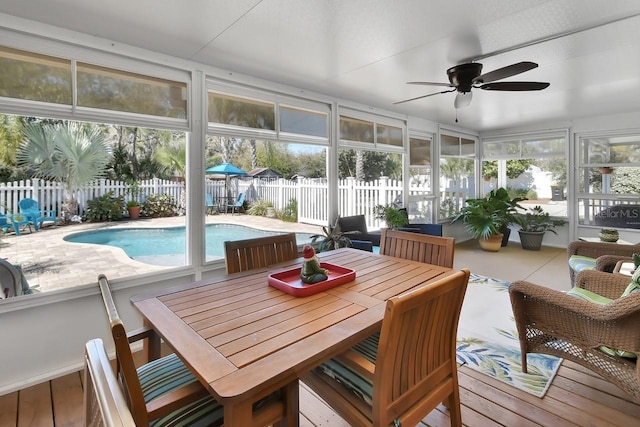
515, 86
504, 72
423, 96
431, 84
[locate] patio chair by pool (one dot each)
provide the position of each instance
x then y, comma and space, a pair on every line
29, 208
400, 375
239, 204
15, 222
211, 206
164, 389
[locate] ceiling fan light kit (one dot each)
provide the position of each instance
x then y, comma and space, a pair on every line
464, 77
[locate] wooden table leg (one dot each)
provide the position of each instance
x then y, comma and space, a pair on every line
238, 414
292, 405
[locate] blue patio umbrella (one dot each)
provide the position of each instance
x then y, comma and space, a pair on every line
227, 170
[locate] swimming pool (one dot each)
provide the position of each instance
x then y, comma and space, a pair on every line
166, 246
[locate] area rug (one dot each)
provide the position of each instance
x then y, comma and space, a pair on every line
488, 340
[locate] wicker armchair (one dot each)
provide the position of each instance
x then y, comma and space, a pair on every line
552, 322
606, 254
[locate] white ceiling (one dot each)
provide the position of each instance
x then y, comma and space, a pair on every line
366, 50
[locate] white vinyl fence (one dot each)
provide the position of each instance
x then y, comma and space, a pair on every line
310, 195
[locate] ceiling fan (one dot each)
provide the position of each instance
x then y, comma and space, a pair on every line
464, 77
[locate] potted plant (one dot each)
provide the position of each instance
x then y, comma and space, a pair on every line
331, 238
533, 225
506, 208
394, 217
609, 235
133, 207
486, 218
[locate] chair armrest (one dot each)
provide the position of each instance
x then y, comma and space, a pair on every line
596, 249
605, 284
607, 263
176, 399
356, 362
152, 345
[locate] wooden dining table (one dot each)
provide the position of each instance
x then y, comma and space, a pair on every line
244, 339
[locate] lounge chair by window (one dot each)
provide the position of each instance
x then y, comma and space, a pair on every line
358, 225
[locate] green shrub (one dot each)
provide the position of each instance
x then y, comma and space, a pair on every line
290, 212
158, 206
259, 208
105, 208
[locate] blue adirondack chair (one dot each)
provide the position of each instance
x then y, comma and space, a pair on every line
29, 208
239, 204
16, 222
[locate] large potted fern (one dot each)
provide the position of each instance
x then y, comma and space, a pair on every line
485, 218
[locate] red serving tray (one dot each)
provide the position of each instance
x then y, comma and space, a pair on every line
289, 280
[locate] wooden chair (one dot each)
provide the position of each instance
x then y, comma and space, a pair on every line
403, 373
418, 247
164, 389
243, 255
104, 402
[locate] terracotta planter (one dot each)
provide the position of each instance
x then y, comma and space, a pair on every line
491, 244
134, 212
605, 170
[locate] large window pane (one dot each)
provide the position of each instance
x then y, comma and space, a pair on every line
457, 184
109, 167
231, 110
30, 76
110, 89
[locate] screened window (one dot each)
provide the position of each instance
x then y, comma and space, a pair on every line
609, 181
534, 167
420, 208
110, 89
457, 173
34, 77
389, 135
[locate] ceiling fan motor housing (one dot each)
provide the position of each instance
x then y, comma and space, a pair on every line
461, 76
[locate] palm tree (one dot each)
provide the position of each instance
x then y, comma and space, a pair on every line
73, 154
174, 158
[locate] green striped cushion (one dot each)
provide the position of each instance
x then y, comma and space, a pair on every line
599, 299
579, 263
360, 386
167, 374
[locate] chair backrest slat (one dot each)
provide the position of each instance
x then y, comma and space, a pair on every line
249, 254
416, 362
418, 247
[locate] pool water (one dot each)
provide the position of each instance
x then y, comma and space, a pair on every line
166, 246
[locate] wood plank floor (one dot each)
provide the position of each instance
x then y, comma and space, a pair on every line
577, 397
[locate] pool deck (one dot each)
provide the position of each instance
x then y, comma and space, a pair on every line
51, 263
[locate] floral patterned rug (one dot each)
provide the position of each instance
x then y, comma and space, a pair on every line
488, 340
